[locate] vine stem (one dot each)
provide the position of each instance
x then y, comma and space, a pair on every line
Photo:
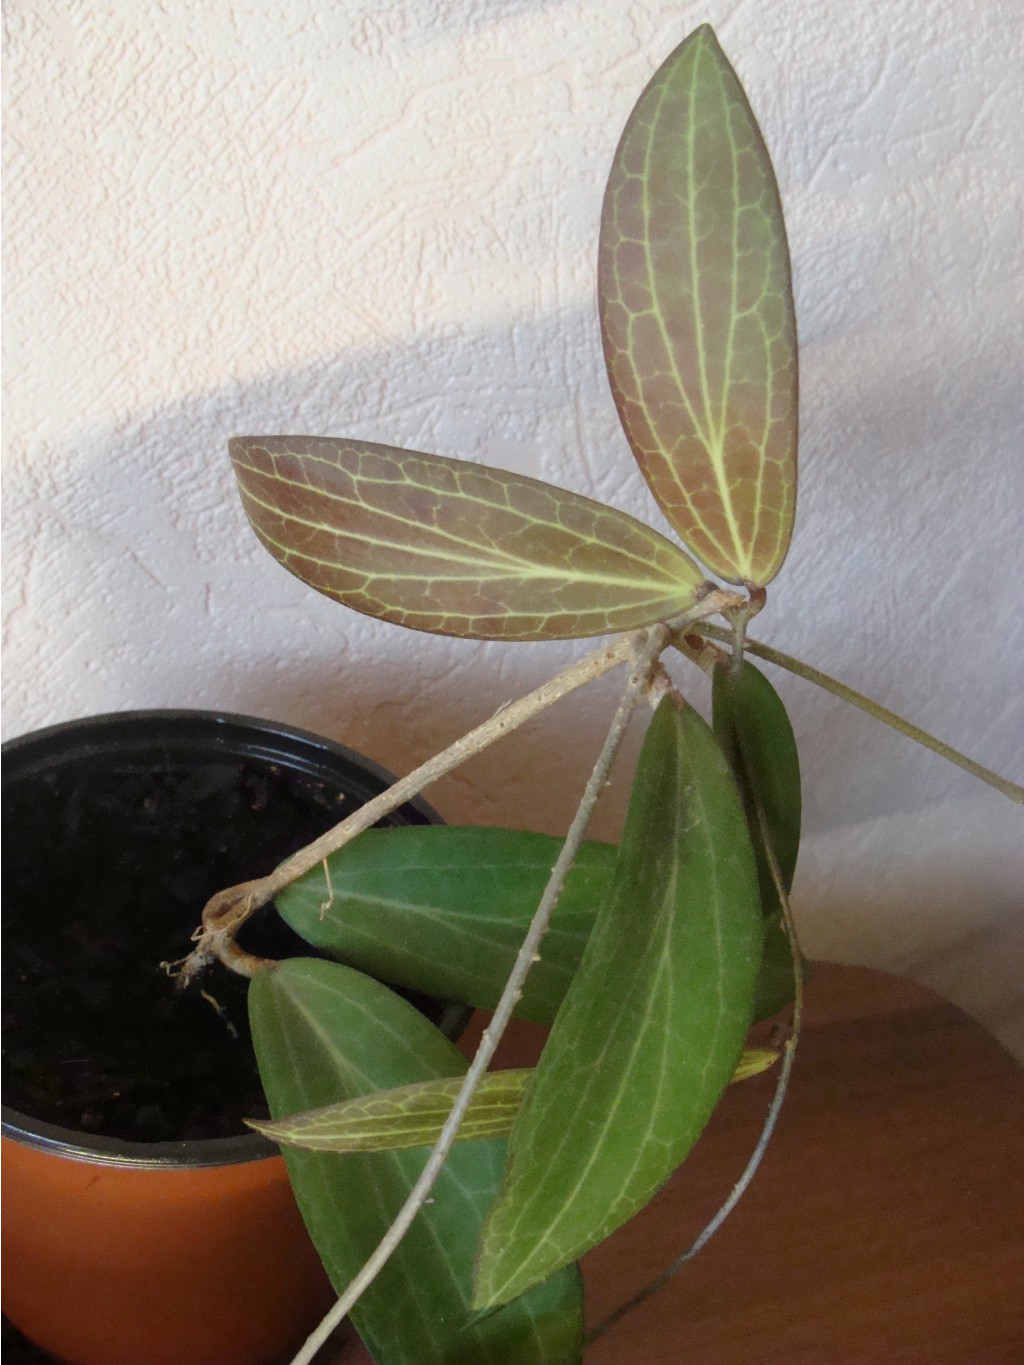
226, 912
873, 708
774, 1109
740, 618
646, 653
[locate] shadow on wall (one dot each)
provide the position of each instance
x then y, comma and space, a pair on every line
135, 580
877, 895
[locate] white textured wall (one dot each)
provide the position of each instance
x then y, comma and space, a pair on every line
378, 218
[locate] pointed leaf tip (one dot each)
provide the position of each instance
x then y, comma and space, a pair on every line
456, 548
413, 1115
751, 724
322, 1033
652, 1026
697, 315
443, 910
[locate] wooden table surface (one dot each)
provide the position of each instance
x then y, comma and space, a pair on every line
886, 1224
885, 1227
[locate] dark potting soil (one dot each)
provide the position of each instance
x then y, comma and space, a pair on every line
107, 868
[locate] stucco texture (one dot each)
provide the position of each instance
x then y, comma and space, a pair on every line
378, 218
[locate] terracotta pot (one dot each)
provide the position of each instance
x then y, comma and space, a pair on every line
121, 1252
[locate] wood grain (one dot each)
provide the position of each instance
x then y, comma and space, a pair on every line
886, 1226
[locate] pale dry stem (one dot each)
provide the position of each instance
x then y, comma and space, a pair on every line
774, 1109
873, 708
645, 649
228, 910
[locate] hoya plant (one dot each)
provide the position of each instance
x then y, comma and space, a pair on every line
450, 1203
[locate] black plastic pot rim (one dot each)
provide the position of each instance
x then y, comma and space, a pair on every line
139, 1156
221, 722
194, 1153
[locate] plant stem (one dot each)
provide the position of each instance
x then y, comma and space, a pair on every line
739, 640
646, 660
874, 708
226, 912
774, 1109
739, 619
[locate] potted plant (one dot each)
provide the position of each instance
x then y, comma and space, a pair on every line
129, 1174
649, 960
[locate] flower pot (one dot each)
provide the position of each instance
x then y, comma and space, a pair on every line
138, 1230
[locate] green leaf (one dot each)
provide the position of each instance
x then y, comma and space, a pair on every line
652, 1026
751, 725
409, 1116
456, 548
697, 314
754, 731
775, 986
753, 1060
413, 1115
444, 910
323, 1032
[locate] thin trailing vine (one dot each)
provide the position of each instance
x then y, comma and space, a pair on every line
774, 1109
455, 548
227, 911
873, 708
647, 651
694, 636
